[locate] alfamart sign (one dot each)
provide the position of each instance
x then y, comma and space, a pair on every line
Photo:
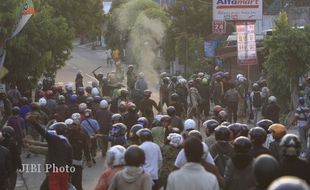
237, 9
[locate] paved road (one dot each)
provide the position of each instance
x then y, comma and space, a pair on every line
84, 60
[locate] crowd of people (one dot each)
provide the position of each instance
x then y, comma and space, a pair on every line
211, 131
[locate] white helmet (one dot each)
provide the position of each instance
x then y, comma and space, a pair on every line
189, 124
69, 122
141, 75
42, 102
103, 104
115, 156
238, 76
76, 116
69, 87
175, 139
272, 99
95, 91
82, 107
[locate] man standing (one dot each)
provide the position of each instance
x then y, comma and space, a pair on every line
192, 175
231, 99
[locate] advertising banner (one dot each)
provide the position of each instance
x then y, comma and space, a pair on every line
237, 9
210, 47
246, 42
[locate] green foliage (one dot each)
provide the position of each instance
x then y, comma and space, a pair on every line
7, 17
42, 47
287, 54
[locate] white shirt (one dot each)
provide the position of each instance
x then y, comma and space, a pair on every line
153, 158
181, 158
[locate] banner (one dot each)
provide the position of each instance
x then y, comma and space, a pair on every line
246, 42
237, 9
210, 47
25, 12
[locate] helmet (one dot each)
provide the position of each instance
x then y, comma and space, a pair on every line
235, 129
94, 84
258, 135
7, 132
122, 107
73, 98
175, 140
165, 118
189, 124
288, 183
61, 99
134, 129
97, 99
171, 111
88, 113
301, 100
222, 133
88, 89
59, 127
82, 107
147, 92
49, 94
174, 79
166, 80
290, 145
205, 81
255, 86
131, 107
89, 100
117, 118
130, 66
42, 102
76, 117
145, 134
141, 75
223, 115
225, 123
238, 76
118, 129
81, 91
265, 124
23, 100
272, 99
217, 109
200, 74
244, 130
242, 145
104, 104
95, 91
266, 169
35, 106
134, 156
195, 133
15, 110
115, 156
210, 124
124, 92
277, 130
69, 122
69, 87
143, 121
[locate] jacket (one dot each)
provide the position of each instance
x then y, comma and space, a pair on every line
104, 118
192, 176
106, 177
131, 178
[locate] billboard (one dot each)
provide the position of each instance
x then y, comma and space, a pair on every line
237, 9
210, 47
246, 42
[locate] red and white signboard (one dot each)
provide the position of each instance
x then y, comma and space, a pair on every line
219, 27
237, 9
246, 41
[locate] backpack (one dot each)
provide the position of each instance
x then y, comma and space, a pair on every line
257, 100
221, 160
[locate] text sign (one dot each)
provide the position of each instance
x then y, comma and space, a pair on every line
219, 27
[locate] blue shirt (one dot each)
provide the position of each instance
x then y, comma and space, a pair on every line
90, 126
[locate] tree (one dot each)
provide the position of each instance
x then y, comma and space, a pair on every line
287, 54
42, 47
7, 18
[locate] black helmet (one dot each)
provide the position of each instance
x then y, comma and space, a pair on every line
244, 130
143, 121
171, 111
258, 135
7, 132
265, 124
89, 100
15, 110
290, 145
117, 118
235, 129
59, 127
222, 133
242, 145
266, 169
145, 135
134, 129
118, 129
134, 156
289, 183
210, 124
